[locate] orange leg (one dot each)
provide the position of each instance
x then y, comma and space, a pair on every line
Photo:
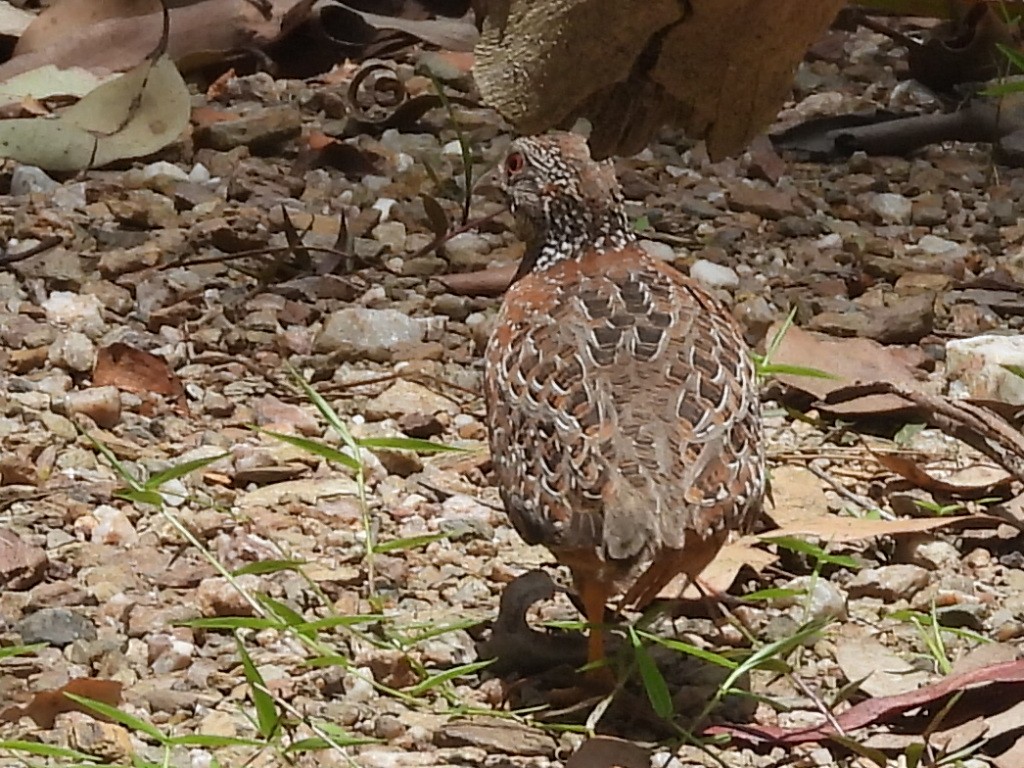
595, 598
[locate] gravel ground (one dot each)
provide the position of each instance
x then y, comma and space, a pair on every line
152, 329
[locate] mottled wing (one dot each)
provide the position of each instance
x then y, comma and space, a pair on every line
623, 409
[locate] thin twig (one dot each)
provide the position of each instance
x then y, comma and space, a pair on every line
848, 494
7, 258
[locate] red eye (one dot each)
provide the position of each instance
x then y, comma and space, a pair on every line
514, 163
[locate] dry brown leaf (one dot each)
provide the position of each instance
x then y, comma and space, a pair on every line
609, 752
200, 34
135, 370
482, 282
910, 470
850, 361
14, 21
1011, 758
133, 115
723, 570
1009, 677
833, 528
452, 34
46, 705
66, 18
881, 672
630, 68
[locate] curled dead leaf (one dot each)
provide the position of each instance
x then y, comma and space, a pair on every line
46, 705
135, 370
134, 115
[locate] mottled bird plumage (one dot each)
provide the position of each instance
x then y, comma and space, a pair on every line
622, 401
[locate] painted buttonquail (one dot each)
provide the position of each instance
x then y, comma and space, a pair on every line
622, 401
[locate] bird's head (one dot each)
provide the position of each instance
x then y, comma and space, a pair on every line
564, 202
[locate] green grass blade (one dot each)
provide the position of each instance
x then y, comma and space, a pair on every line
781, 369
690, 650
264, 567
213, 741
127, 477
315, 447
409, 444
232, 623
139, 497
653, 680
447, 675
46, 750
341, 621
287, 615
113, 713
325, 409
20, 650
267, 717
410, 542
180, 470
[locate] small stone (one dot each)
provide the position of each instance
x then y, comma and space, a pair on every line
889, 582
72, 350
359, 332
388, 727
765, 202
975, 368
27, 179
659, 250
714, 275
890, 208
101, 404
501, 736
108, 741
22, 565
358, 686
56, 626
401, 463
215, 596
113, 527
391, 234
76, 312
420, 425
468, 250
168, 653
940, 246
933, 554
261, 130
275, 414
163, 169
818, 599
404, 398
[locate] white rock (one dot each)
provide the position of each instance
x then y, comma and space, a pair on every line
891, 208
452, 149
384, 205
76, 311
27, 179
821, 599
101, 404
714, 275
163, 168
940, 246
358, 688
72, 350
392, 234
658, 250
974, 368
368, 332
200, 174
113, 527
403, 162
